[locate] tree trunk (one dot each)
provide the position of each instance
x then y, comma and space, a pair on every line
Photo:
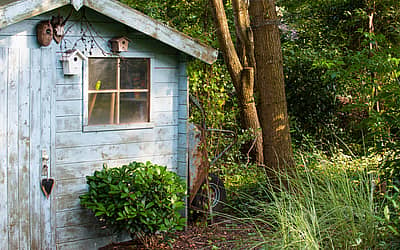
249, 111
242, 75
270, 86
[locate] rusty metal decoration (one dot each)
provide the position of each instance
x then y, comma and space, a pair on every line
199, 166
58, 24
44, 33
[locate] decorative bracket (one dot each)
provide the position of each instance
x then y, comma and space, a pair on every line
77, 4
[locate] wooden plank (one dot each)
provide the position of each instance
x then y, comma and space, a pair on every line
24, 147
62, 79
71, 186
3, 149
47, 81
35, 154
19, 10
12, 148
183, 113
163, 90
93, 243
19, 41
79, 139
164, 104
67, 202
164, 118
83, 169
75, 217
28, 27
112, 152
183, 100
68, 108
166, 75
144, 46
166, 60
64, 11
24, 28
52, 90
81, 232
69, 92
69, 123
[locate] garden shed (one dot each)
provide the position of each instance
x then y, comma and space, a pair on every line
83, 83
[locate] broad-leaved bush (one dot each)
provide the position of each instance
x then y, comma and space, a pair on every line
138, 198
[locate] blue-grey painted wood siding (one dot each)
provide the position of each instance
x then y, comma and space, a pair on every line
74, 153
25, 214
3, 150
183, 113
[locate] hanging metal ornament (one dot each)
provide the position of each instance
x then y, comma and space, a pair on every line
47, 185
58, 24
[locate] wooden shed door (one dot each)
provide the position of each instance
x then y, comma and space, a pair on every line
26, 130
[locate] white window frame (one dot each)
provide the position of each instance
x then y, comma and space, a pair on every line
106, 127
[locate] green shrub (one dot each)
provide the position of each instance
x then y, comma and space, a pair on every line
138, 198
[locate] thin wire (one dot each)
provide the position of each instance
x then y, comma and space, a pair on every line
87, 31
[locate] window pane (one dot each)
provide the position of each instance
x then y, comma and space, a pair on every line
101, 108
134, 73
102, 73
134, 107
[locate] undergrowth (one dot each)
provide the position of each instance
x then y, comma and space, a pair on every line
330, 202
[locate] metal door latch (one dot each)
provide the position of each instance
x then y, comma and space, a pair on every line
45, 166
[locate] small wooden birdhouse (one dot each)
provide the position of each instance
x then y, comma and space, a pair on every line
119, 44
72, 62
44, 32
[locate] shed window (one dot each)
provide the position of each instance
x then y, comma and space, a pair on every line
118, 91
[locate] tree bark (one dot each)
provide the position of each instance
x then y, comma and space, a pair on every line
241, 74
270, 86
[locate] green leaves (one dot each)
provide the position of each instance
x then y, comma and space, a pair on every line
139, 197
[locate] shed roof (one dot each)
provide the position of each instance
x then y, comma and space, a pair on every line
13, 11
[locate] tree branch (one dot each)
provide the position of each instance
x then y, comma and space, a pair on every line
244, 32
226, 44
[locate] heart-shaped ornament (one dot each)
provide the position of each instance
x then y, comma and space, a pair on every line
47, 186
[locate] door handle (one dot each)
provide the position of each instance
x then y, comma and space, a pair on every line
45, 166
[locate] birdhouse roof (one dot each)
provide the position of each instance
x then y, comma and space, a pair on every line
71, 53
119, 39
13, 11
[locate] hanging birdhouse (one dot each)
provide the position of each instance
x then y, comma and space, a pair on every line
44, 33
72, 62
119, 44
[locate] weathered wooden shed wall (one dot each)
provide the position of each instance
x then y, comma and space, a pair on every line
41, 109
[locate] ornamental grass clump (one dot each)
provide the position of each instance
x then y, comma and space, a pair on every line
140, 198
329, 204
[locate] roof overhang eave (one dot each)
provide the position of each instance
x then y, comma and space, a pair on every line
20, 10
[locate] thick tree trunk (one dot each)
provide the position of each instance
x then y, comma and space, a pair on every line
242, 76
270, 87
